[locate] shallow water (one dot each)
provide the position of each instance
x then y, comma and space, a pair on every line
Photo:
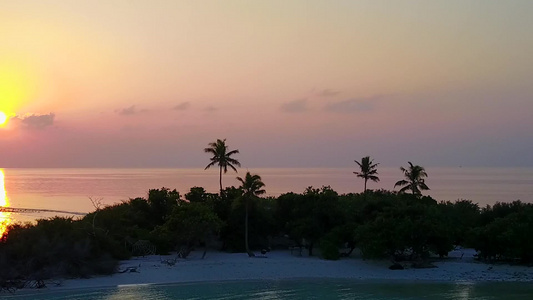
298, 289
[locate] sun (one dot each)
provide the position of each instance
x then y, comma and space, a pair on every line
3, 118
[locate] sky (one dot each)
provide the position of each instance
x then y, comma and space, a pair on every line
298, 83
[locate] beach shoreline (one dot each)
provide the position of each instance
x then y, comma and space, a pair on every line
282, 265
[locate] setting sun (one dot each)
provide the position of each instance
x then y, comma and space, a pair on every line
3, 118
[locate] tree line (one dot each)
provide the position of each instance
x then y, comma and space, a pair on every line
399, 225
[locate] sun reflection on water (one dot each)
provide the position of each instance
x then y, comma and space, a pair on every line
4, 202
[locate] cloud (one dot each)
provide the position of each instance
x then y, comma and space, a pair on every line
352, 105
295, 106
129, 111
182, 106
37, 121
210, 109
328, 93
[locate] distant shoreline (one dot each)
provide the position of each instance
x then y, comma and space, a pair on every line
68, 189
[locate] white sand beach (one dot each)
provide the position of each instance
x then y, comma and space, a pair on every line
219, 266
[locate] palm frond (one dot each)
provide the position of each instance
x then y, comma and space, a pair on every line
221, 157
401, 183
405, 188
233, 161
210, 150
423, 186
210, 165
360, 165
231, 166
415, 179
232, 152
251, 185
373, 178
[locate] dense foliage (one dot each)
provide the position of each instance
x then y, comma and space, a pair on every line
56, 247
382, 224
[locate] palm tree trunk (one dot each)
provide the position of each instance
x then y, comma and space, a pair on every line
364, 192
220, 180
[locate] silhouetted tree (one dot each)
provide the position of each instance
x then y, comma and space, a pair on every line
161, 202
407, 229
368, 171
189, 223
251, 187
415, 179
222, 157
309, 216
198, 194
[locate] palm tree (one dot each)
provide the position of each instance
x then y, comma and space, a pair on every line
222, 157
369, 170
415, 179
251, 188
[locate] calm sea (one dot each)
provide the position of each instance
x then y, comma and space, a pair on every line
298, 289
70, 189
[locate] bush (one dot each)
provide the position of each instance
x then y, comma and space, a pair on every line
56, 247
406, 230
506, 238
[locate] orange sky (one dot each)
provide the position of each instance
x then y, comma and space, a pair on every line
289, 83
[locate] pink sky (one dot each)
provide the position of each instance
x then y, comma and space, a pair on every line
288, 83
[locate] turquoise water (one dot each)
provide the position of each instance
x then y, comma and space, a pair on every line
298, 289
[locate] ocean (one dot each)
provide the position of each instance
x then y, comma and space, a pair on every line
297, 289
70, 190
